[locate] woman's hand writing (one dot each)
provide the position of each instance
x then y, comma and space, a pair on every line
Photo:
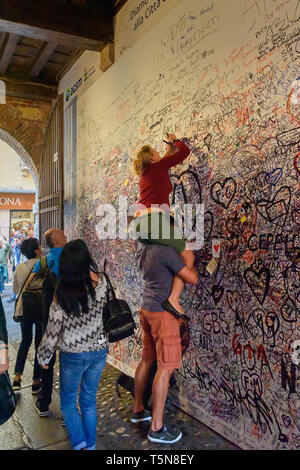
171, 137
170, 148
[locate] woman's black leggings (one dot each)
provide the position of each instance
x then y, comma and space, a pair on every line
27, 335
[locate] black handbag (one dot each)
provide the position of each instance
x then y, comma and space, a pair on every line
7, 399
118, 321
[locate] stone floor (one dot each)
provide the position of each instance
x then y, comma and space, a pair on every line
26, 430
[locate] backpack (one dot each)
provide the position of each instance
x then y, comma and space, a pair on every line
37, 297
118, 321
7, 399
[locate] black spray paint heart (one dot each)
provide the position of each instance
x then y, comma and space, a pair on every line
259, 282
277, 209
223, 192
233, 299
257, 189
217, 292
287, 420
183, 185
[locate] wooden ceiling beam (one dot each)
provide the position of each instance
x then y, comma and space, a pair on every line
29, 90
81, 26
41, 58
7, 50
72, 58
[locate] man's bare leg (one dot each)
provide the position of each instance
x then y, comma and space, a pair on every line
178, 283
140, 381
159, 394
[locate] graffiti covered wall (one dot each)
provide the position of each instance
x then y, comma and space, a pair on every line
221, 73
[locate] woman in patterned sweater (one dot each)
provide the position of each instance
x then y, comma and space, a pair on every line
75, 327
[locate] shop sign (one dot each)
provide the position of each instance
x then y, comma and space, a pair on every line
13, 201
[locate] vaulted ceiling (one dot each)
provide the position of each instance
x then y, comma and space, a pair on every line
39, 40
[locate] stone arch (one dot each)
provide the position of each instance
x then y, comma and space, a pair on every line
26, 158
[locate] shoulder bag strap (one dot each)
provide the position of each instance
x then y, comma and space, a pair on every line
22, 288
110, 287
43, 262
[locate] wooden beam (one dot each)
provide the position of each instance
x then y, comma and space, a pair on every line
81, 26
7, 50
72, 58
41, 58
29, 90
107, 57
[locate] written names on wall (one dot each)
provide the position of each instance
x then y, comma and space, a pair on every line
143, 11
206, 78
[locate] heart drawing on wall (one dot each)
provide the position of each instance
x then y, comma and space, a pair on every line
191, 182
258, 189
217, 292
258, 282
277, 209
223, 192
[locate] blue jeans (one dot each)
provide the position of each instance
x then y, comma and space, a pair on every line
80, 371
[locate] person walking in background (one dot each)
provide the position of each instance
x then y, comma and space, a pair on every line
153, 222
16, 248
15, 258
31, 249
4, 361
161, 336
4, 254
75, 327
55, 240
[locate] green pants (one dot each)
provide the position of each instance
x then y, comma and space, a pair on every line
158, 229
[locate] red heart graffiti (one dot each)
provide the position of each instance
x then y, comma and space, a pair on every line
216, 247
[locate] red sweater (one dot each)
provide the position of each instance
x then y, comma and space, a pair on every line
155, 184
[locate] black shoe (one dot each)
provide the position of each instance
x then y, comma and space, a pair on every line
164, 436
166, 305
144, 415
16, 386
35, 389
41, 410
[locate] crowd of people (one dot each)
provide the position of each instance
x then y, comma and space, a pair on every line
72, 304
10, 252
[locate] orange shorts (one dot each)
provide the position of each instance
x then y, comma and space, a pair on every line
161, 339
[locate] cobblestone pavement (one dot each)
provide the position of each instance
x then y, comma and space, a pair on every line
115, 432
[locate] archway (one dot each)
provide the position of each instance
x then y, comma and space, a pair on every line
26, 158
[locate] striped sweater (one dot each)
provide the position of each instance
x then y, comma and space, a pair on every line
75, 334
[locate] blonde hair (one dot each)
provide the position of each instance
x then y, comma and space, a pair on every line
142, 160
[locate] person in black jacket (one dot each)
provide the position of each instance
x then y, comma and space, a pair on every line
4, 362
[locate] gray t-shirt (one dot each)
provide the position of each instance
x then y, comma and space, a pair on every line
158, 265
